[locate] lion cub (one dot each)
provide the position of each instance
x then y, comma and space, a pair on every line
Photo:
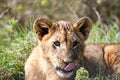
60, 48
104, 58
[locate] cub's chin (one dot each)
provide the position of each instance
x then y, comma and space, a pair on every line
65, 75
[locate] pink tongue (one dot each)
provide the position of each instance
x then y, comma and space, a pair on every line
69, 67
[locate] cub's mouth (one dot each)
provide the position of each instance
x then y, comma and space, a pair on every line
67, 69
62, 70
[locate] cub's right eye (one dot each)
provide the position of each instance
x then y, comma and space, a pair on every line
75, 44
56, 43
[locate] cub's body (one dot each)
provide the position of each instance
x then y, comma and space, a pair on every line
102, 57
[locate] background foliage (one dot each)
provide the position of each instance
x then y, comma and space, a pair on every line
17, 37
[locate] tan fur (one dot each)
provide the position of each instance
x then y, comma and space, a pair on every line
112, 58
59, 44
103, 57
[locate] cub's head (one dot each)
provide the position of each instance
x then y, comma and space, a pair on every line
62, 42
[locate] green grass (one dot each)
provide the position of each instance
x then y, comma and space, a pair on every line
16, 43
104, 33
15, 46
13, 56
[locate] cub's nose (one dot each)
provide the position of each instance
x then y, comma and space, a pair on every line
69, 58
72, 56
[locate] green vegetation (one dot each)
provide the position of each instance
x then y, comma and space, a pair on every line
82, 74
15, 46
102, 33
16, 43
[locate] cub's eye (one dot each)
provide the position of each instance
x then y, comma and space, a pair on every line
56, 43
75, 44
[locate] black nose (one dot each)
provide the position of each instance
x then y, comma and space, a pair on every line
72, 56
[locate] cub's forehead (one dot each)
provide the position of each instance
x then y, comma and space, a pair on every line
65, 31
64, 26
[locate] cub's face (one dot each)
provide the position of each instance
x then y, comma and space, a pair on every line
62, 43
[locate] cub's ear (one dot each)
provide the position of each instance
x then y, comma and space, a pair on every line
83, 25
41, 26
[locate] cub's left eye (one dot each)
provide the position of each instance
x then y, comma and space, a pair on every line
56, 43
75, 44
